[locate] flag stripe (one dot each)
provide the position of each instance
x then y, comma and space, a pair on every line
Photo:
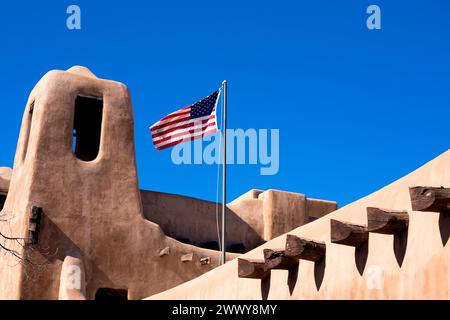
187, 124
181, 125
170, 115
175, 130
186, 133
185, 114
191, 138
176, 123
196, 125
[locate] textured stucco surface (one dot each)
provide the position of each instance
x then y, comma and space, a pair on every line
96, 220
424, 273
252, 218
5, 178
90, 209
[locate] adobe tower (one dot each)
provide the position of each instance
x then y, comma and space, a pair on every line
75, 224
75, 165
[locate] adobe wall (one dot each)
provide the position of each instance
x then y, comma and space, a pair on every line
195, 220
91, 210
93, 217
5, 178
423, 273
252, 219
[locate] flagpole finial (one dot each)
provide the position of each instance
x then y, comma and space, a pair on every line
224, 81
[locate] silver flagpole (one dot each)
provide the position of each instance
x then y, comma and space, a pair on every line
224, 172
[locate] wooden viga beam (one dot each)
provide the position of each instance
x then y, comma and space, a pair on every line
348, 234
277, 259
252, 269
304, 249
386, 221
430, 199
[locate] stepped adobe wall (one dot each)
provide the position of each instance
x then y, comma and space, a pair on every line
75, 224
392, 244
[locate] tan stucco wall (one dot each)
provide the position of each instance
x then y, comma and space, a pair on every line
424, 273
195, 220
91, 210
252, 219
5, 178
94, 215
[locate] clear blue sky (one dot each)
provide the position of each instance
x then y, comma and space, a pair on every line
356, 109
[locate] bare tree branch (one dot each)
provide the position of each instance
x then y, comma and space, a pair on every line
22, 250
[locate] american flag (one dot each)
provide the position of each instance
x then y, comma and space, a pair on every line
187, 124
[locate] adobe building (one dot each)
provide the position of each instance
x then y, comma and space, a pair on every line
5, 177
392, 244
74, 223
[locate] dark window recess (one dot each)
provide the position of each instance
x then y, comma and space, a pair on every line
2, 200
87, 127
213, 245
237, 248
111, 294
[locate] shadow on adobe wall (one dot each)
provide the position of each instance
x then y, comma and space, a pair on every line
193, 221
